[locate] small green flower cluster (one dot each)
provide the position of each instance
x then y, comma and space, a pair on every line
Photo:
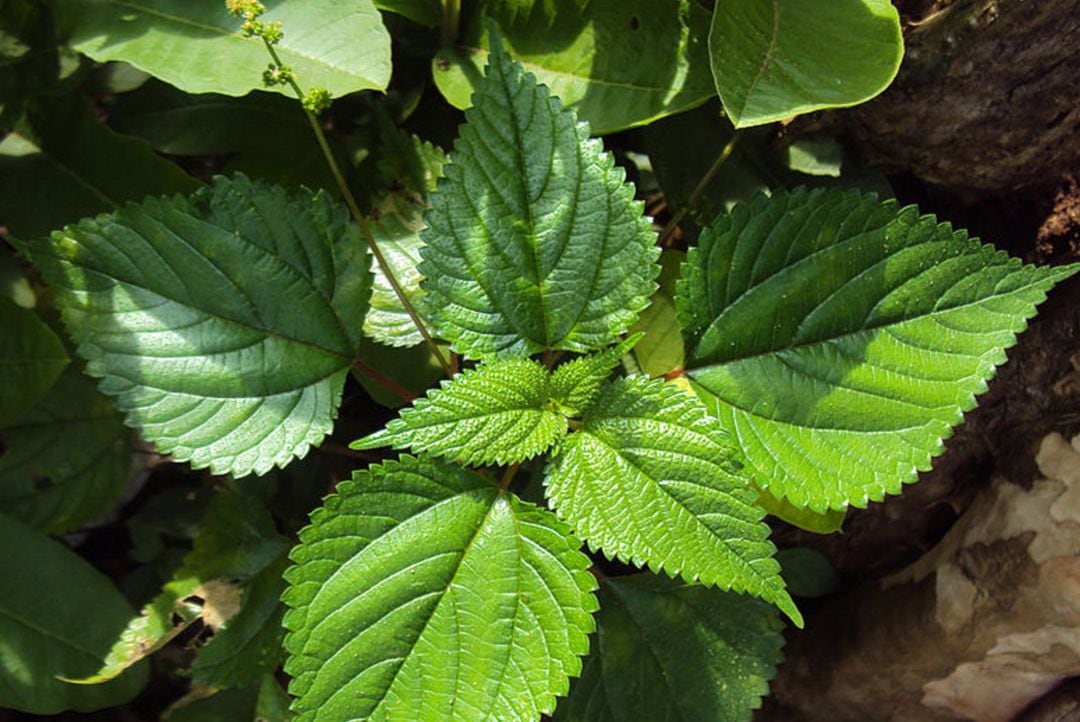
315, 100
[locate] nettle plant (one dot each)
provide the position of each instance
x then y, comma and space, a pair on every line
830, 341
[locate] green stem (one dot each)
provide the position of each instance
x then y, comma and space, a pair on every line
354, 209
451, 21
706, 179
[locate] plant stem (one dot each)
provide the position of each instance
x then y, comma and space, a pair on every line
725, 153
508, 476
354, 209
387, 383
451, 20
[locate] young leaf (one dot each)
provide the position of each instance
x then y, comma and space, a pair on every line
58, 616
772, 59
31, 357
618, 64
668, 651
497, 413
224, 323
198, 46
534, 241
651, 479
840, 338
575, 384
67, 460
423, 592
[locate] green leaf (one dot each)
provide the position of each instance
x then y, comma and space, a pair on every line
67, 459
668, 651
619, 64
840, 338
576, 384
197, 45
237, 538
772, 60
31, 357
424, 12
224, 323
824, 522
661, 348
58, 616
651, 479
422, 591
497, 413
249, 645
395, 225
414, 369
807, 572
534, 240
60, 164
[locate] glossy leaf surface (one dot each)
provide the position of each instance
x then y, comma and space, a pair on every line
224, 323
423, 592
839, 339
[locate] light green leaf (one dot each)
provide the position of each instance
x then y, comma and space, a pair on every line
60, 164
66, 460
423, 592
224, 323
816, 156
534, 240
651, 479
197, 45
31, 359
669, 651
396, 224
772, 60
249, 645
575, 384
618, 63
497, 413
661, 348
58, 616
823, 522
839, 338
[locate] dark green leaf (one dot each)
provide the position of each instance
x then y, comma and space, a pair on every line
534, 240
224, 323
31, 359
58, 617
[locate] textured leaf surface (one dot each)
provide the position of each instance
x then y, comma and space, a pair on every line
60, 164
618, 63
47, 594
576, 384
66, 461
668, 651
198, 47
422, 592
651, 479
396, 227
773, 59
31, 359
497, 413
224, 323
534, 240
839, 339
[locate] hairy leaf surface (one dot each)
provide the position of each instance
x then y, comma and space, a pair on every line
497, 413
31, 359
839, 338
665, 650
576, 384
534, 241
651, 479
773, 59
423, 592
197, 45
58, 616
618, 63
224, 323
67, 460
